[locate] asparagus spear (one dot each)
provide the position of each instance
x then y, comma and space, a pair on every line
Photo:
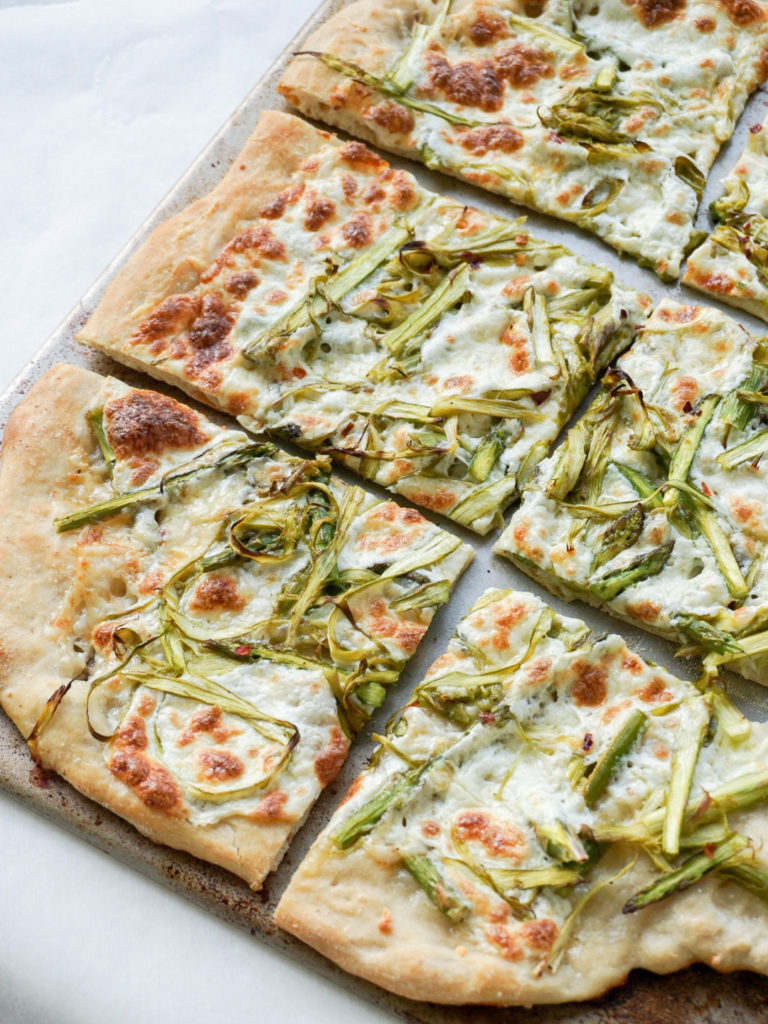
648, 564
385, 86
571, 456
451, 290
440, 892
561, 842
708, 636
365, 818
685, 452
621, 534
747, 451
309, 307
96, 419
535, 309
748, 876
688, 873
739, 406
617, 749
709, 525
684, 759
486, 454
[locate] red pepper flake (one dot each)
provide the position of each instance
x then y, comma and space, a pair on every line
755, 129
588, 742
243, 650
487, 717
539, 397
687, 407
709, 849
706, 489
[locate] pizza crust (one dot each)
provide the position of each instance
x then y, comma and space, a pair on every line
45, 449
367, 33
338, 904
182, 247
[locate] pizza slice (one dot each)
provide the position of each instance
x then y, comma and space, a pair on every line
547, 813
608, 115
732, 264
195, 624
655, 505
322, 295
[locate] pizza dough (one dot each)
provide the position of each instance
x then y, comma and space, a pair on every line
608, 115
322, 295
515, 832
654, 507
732, 264
195, 624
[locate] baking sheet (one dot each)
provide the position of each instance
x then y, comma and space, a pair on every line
695, 995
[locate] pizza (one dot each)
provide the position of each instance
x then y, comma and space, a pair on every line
654, 507
548, 812
732, 264
608, 115
325, 297
194, 623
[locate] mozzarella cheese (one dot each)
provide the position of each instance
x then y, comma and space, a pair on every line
689, 358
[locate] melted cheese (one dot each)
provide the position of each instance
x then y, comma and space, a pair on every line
139, 576
685, 354
490, 788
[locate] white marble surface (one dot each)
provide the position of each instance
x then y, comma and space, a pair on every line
102, 106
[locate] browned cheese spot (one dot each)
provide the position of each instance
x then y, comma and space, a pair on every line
505, 941
392, 117
357, 231
271, 807
357, 153
523, 65
742, 12
488, 28
467, 84
540, 934
711, 281
217, 592
240, 284
144, 422
212, 325
658, 12
329, 761
501, 137
318, 212
654, 691
590, 688
173, 316
498, 839
220, 765
151, 782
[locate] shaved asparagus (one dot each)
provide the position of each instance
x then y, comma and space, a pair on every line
748, 877
688, 874
748, 451
440, 892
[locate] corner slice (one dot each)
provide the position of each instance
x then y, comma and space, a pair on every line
541, 818
430, 347
606, 115
732, 264
194, 623
655, 505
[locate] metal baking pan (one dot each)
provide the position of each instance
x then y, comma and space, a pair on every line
694, 996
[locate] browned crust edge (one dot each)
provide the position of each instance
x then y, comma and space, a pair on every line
45, 441
182, 247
